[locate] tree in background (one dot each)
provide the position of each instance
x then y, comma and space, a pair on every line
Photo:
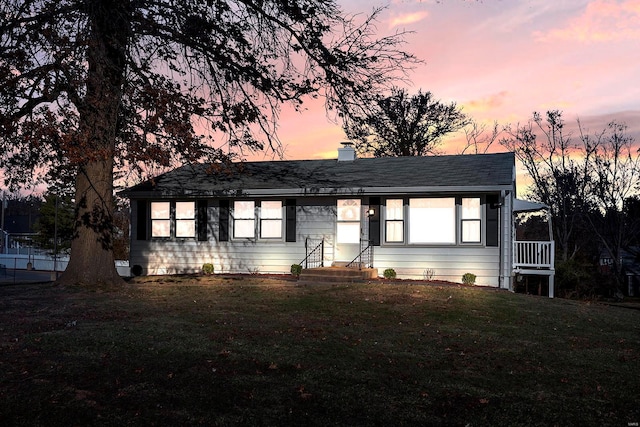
478, 138
404, 125
589, 182
93, 87
121, 222
616, 181
56, 220
560, 170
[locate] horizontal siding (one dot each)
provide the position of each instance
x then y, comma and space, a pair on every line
169, 257
315, 220
446, 263
238, 256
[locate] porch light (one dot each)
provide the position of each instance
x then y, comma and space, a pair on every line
371, 212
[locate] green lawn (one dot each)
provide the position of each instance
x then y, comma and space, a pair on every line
257, 351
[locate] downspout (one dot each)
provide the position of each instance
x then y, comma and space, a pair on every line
507, 260
502, 277
511, 258
500, 244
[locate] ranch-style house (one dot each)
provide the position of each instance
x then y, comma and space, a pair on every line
435, 217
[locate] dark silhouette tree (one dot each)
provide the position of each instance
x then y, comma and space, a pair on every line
616, 181
590, 183
559, 178
480, 138
121, 224
56, 220
404, 125
93, 87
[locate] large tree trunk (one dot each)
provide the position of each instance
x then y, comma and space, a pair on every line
92, 260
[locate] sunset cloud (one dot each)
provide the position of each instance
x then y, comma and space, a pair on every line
602, 21
490, 102
482, 55
408, 18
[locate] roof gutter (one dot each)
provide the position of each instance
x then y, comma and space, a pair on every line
351, 191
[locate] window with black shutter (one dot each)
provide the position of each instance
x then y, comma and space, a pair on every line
202, 208
493, 207
141, 223
223, 231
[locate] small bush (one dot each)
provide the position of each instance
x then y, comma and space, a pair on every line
469, 278
296, 269
580, 279
428, 273
207, 268
389, 273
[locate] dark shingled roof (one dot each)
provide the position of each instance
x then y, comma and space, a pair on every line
326, 176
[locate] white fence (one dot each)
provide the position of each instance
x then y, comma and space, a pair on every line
48, 263
38, 262
533, 254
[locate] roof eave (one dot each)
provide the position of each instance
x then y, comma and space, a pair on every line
323, 191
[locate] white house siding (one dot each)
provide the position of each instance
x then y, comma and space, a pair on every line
315, 220
171, 257
446, 263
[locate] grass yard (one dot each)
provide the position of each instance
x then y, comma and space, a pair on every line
260, 351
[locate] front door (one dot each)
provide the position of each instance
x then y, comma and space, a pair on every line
348, 229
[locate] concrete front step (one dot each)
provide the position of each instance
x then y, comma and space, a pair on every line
336, 275
348, 264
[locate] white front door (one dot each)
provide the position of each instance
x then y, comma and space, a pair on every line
348, 229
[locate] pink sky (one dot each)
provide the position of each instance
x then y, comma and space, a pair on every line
503, 59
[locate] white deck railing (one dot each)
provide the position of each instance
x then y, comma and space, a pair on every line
533, 254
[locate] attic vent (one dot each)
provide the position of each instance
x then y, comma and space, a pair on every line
347, 153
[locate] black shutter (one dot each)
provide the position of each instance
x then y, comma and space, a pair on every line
223, 234
141, 220
493, 207
374, 221
290, 232
201, 225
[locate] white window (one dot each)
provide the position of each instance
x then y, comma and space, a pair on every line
271, 220
394, 221
244, 219
160, 219
471, 220
432, 220
185, 219
348, 226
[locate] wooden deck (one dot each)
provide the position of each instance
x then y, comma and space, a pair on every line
535, 258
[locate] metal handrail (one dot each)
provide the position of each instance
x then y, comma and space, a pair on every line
368, 250
316, 254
